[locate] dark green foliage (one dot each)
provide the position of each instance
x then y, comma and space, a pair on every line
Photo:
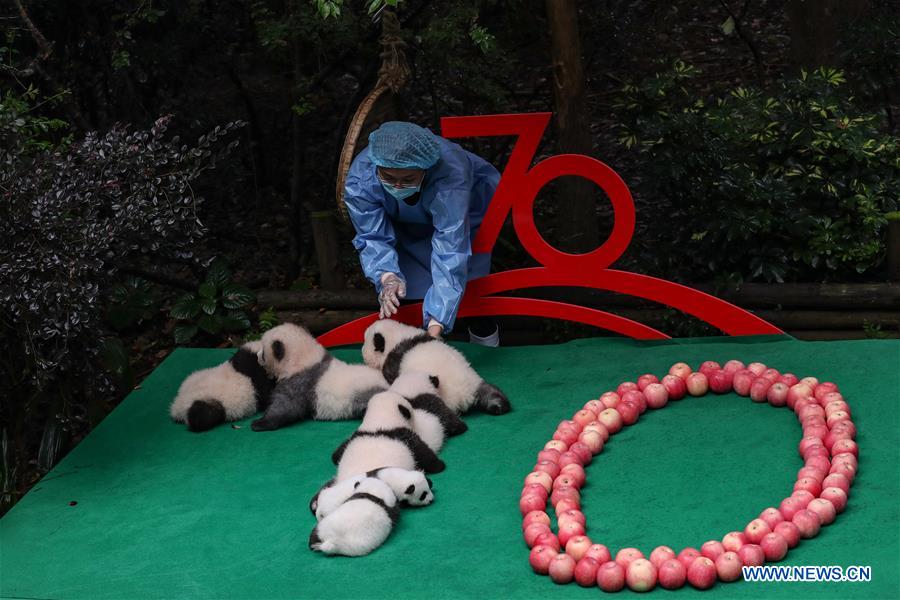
215, 308
132, 302
762, 186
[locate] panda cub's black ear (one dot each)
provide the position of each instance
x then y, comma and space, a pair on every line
404, 411
435, 381
430, 483
278, 349
378, 342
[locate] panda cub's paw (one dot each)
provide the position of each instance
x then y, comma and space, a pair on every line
491, 399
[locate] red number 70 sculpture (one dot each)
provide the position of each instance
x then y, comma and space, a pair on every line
516, 193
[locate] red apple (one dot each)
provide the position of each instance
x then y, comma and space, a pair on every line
675, 387
811, 382
845, 469
611, 419
531, 502
807, 522
833, 405
712, 549
568, 530
807, 441
636, 397
533, 531
645, 380
535, 489
627, 555
720, 381
757, 368
556, 445
568, 435
728, 566
788, 379
733, 366
535, 516
759, 389
576, 472
595, 406
733, 541
598, 428
656, 395
611, 576
818, 462
836, 480
541, 478
564, 491
702, 573
836, 417
551, 455
771, 374
777, 394
592, 440
774, 546
548, 467
811, 473
540, 558
599, 552
803, 496
797, 392
626, 386
582, 451
586, 572
571, 515
789, 507
825, 509
756, 530
640, 575
742, 381
708, 367
697, 384
610, 400
772, 516
809, 484
671, 574
548, 539
660, 555
836, 496
562, 568
687, 556
567, 504
752, 555
841, 446
789, 531
824, 388
577, 546
681, 370
564, 479
629, 411
569, 458
583, 417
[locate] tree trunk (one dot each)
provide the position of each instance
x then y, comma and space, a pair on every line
815, 28
577, 209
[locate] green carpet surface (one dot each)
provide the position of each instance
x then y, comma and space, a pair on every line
165, 513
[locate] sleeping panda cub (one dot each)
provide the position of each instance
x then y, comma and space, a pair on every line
396, 348
312, 384
361, 523
433, 420
385, 439
411, 488
233, 390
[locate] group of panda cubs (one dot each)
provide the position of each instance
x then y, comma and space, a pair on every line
409, 393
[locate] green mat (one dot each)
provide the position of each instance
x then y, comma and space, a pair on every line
165, 513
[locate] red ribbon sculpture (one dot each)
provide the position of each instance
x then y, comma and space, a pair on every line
516, 193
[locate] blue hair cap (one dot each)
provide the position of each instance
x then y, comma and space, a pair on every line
402, 145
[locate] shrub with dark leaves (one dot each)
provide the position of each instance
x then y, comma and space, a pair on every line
68, 217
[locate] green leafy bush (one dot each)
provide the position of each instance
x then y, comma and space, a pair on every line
215, 308
791, 184
131, 302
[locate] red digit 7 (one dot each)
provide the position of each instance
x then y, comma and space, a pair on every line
520, 183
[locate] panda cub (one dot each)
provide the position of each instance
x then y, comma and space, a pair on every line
385, 439
230, 391
396, 348
411, 488
312, 384
361, 523
433, 420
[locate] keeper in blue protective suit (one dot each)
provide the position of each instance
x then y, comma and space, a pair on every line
416, 201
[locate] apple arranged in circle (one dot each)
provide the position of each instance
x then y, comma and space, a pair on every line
830, 461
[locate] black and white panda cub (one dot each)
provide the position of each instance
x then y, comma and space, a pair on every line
395, 348
312, 384
230, 391
361, 523
433, 420
385, 438
411, 488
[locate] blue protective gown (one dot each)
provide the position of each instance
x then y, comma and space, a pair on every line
428, 243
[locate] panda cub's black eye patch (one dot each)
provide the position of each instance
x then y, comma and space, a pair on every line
404, 411
435, 381
410, 489
356, 485
423, 496
278, 349
378, 342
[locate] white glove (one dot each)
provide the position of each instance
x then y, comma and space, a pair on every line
392, 289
